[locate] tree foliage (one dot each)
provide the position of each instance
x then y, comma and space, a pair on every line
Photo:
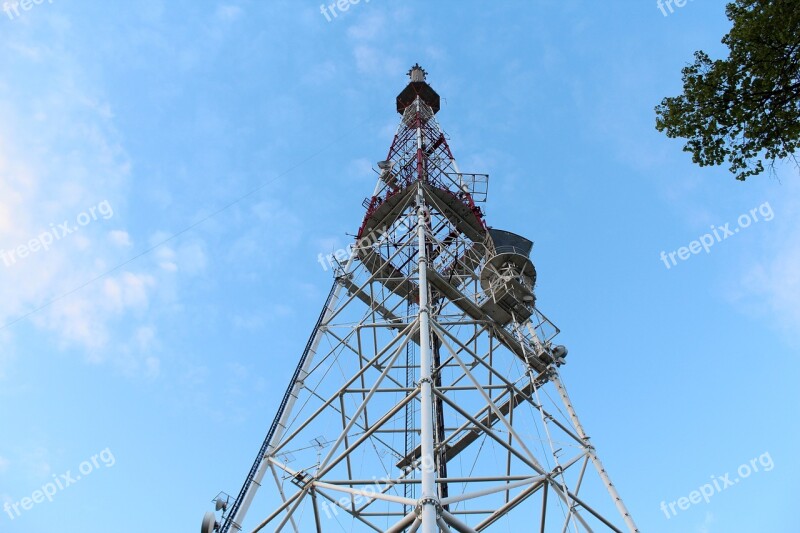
744, 109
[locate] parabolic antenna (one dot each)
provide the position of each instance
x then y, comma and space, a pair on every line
220, 504
209, 523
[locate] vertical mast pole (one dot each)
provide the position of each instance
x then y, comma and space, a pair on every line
429, 502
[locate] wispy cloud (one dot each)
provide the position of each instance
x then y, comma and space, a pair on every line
369, 37
768, 282
60, 152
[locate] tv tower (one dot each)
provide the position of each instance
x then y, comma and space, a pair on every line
428, 397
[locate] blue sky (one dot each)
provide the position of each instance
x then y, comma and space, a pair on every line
234, 142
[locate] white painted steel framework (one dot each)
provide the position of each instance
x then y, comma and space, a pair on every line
428, 398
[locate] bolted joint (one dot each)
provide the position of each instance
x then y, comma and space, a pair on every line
428, 309
422, 502
424, 380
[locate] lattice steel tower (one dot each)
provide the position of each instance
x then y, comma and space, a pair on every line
428, 397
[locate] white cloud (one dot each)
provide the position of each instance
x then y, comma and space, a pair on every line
369, 38
192, 257
248, 322
259, 319
7, 355
120, 238
368, 27
194, 376
152, 367
165, 256
145, 337
189, 257
359, 170
126, 291
36, 463
270, 233
774, 281
228, 12
134, 356
374, 61
320, 74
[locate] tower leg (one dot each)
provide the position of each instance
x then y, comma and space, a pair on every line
601, 471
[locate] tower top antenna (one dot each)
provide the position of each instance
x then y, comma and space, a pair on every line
417, 73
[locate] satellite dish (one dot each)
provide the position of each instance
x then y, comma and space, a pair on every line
209, 523
560, 351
